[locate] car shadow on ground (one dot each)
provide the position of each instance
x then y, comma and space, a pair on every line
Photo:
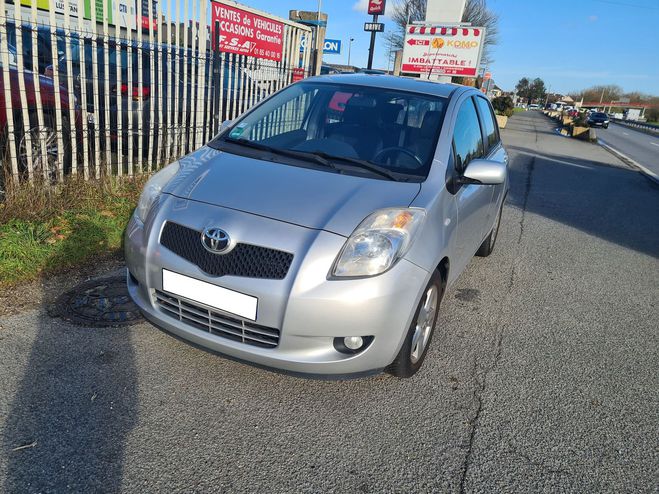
72, 411
616, 204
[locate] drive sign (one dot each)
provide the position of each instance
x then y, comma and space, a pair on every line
442, 50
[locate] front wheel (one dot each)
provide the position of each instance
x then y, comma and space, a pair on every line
414, 349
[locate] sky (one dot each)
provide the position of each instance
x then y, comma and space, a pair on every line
570, 44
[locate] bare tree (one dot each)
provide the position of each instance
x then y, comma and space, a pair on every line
476, 12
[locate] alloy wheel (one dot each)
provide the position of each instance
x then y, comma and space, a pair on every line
424, 324
43, 147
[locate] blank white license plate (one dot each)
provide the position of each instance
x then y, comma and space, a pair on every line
209, 294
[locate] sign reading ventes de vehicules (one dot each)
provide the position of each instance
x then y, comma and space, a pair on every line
442, 50
246, 33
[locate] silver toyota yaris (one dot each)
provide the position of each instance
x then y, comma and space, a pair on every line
317, 233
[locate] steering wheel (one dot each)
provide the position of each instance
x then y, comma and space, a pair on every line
398, 150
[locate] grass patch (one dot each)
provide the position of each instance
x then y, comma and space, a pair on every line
47, 229
517, 109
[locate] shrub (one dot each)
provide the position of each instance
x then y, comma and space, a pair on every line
503, 105
581, 120
652, 114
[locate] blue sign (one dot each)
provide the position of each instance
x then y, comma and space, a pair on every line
330, 47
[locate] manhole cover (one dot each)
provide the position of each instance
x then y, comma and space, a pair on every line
103, 302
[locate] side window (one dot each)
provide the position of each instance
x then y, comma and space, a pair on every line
489, 122
467, 136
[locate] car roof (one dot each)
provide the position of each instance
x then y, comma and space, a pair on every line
410, 84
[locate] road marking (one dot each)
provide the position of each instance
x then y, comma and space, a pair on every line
625, 133
655, 144
546, 158
626, 159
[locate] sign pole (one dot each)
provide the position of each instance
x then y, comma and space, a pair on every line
371, 48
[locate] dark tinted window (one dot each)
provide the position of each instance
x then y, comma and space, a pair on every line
489, 122
396, 130
467, 136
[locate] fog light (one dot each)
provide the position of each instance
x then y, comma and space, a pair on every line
351, 345
353, 342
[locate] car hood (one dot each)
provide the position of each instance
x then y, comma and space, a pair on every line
302, 196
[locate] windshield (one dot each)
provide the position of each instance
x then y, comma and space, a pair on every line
345, 124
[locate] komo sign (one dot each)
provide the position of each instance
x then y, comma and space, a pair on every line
442, 50
245, 33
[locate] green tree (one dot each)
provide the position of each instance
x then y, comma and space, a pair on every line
531, 90
522, 87
537, 89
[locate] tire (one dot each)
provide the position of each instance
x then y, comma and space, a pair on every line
417, 341
606, 126
47, 166
487, 246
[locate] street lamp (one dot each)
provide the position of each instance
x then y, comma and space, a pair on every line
349, 47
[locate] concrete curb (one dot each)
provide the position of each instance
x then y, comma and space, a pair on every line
627, 160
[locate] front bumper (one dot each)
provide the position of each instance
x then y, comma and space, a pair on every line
309, 310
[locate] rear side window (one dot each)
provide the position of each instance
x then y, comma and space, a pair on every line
489, 123
467, 137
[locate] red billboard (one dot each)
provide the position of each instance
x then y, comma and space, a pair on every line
246, 33
376, 7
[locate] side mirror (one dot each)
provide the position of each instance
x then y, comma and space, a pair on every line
225, 125
485, 172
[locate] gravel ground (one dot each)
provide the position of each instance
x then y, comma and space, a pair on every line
542, 377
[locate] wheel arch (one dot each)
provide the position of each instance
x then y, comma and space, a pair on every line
443, 267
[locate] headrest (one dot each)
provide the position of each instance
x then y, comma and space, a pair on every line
390, 112
430, 124
359, 110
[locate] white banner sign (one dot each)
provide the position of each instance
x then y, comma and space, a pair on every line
442, 50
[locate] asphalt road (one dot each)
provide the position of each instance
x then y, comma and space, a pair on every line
543, 375
642, 148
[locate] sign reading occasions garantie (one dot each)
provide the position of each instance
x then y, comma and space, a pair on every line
246, 33
442, 50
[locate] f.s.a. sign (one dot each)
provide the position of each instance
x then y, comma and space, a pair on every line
330, 46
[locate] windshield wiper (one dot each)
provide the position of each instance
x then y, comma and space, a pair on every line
366, 165
284, 152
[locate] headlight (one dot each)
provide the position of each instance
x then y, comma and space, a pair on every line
378, 242
153, 189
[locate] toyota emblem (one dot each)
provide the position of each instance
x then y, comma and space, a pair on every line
215, 240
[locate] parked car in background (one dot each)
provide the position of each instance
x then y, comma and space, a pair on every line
534, 106
326, 69
323, 242
37, 149
371, 71
598, 119
130, 92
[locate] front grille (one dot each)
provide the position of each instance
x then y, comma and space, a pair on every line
246, 260
205, 319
